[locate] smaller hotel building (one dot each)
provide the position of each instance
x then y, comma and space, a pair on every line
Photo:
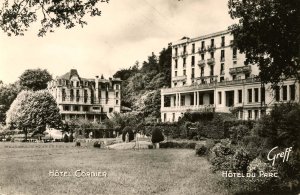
92, 99
209, 74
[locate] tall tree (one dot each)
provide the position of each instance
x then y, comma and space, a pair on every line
16, 16
35, 79
33, 111
268, 32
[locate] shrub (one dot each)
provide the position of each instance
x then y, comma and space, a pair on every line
241, 160
128, 130
201, 149
157, 136
237, 133
97, 144
77, 143
71, 138
66, 138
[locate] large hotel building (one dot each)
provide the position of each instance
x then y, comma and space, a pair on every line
93, 99
209, 74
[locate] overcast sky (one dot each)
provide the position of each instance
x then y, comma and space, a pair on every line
127, 31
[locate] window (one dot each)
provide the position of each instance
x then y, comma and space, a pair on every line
63, 117
223, 41
117, 94
240, 93
173, 117
110, 110
255, 114
250, 114
222, 55
193, 73
165, 117
182, 103
175, 73
184, 72
183, 83
249, 95
292, 92
117, 87
202, 56
117, 102
176, 51
241, 114
184, 62
234, 77
256, 95
234, 63
202, 44
77, 96
211, 98
212, 42
222, 69
193, 48
212, 55
247, 76
85, 95
184, 49
202, 71
85, 108
63, 94
193, 61
66, 108
220, 97
71, 95
76, 108
176, 64
277, 94
96, 108
77, 84
262, 94
234, 53
284, 92
175, 84
211, 70
221, 79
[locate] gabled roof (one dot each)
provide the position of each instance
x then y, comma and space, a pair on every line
68, 75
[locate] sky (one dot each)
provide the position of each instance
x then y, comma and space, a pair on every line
126, 32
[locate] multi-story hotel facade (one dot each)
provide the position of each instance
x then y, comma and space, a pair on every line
209, 74
92, 99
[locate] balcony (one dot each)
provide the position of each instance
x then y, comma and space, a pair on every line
183, 54
201, 50
208, 86
211, 61
243, 69
201, 63
179, 78
193, 108
211, 48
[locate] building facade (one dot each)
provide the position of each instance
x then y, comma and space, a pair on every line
92, 99
209, 74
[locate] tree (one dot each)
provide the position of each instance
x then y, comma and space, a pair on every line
268, 33
33, 111
17, 16
8, 93
35, 79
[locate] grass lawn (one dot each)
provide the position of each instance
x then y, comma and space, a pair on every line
25, 170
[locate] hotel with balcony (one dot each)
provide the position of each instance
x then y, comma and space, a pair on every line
209, 74
92, 99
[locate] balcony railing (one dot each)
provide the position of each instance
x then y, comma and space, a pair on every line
193, 108
211, 61
201, 63
201, 49
211, 48
243, 69
179, 78
208, 85
183, 53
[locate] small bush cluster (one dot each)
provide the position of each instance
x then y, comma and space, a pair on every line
201, 150
97, 144
157, 136
174, 144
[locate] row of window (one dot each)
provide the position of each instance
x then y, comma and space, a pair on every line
83, 108
212, 45
86, 84
284, 96
212, 56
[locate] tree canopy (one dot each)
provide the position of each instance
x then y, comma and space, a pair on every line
16, 16
32, 111
268, 32
35, 79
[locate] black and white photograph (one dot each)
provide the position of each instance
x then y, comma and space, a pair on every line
146, 97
